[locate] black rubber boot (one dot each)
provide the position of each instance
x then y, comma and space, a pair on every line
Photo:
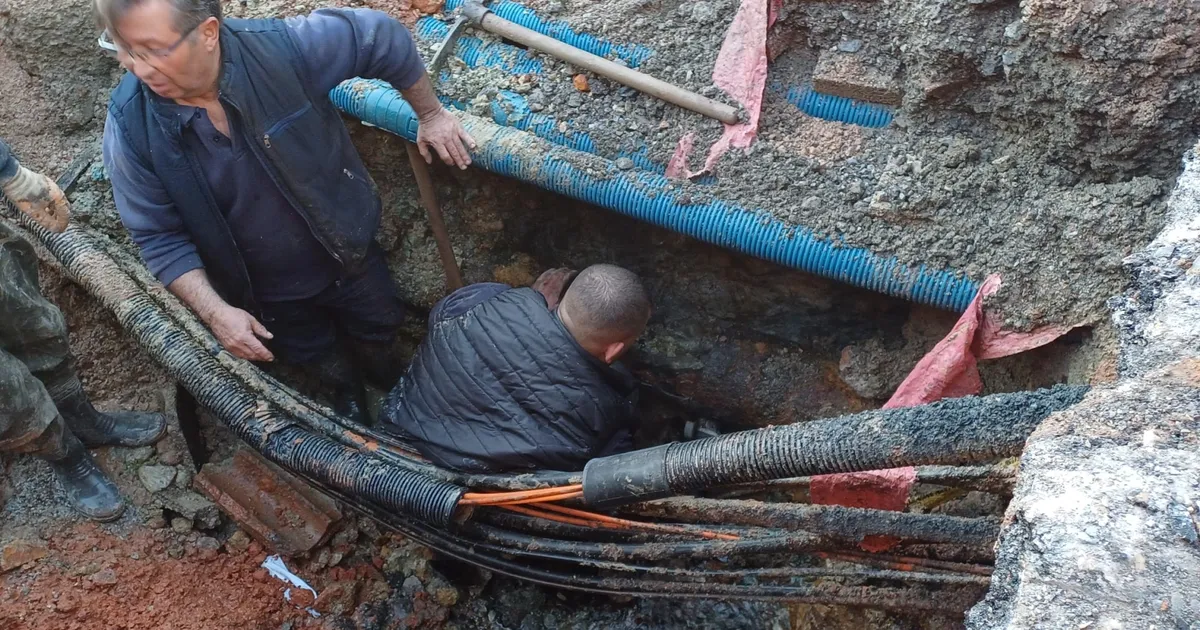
89, 490
350, 401
121, 428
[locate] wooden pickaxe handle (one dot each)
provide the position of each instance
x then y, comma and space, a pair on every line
454, 279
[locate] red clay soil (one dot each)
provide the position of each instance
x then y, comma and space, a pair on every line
92, 579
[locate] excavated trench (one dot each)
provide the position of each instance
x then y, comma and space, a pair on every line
1034, 140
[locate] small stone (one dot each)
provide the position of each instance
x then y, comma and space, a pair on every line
169, 455
574, 101
181, 525
139, 454
580, 82
175, 549
850, 45
321, 561
156, 478
411, 586
554, 7
104, 577
811, 203
208, 543
194, 507
347, 536
624, 163
156, 519
183, 476
598, 87
535, 106
239, 542
66, 603
1015, 30
21, 552
703, 12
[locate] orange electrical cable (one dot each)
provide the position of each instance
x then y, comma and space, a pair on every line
491, 498
604, 518
539, 500
485, 498
591, 519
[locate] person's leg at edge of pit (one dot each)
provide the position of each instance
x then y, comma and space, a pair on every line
344, 336
43, 408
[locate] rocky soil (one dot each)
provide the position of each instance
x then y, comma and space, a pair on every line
1036, 140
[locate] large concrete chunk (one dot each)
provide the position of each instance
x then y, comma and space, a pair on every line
859, 76
1104, 527
280, 511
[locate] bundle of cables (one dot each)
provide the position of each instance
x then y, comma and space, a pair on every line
673, 520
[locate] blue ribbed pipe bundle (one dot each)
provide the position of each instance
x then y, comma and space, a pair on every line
655, 199
839, 108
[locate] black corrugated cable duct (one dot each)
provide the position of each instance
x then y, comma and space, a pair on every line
967, 430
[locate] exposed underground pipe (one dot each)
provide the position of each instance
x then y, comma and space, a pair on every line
846, 523
670, 204
421, 506
255, 421
959, 431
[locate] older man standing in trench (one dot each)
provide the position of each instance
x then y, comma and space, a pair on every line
237, 178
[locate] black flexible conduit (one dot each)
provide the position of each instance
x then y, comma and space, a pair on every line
383, 478
958, 431
948, 599
309, 412
254, 420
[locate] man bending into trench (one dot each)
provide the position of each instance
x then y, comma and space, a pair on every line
43, 410
236, 177
525, 379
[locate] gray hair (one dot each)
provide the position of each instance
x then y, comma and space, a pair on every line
188, 14
608, 302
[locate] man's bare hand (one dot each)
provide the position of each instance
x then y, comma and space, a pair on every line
552, 284
239, 332
441, 132
39, 197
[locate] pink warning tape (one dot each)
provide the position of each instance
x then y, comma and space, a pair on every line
950, 370
740, 70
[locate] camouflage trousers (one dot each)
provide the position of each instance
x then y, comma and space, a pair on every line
35, 358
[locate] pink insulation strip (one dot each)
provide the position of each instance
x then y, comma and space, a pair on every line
741, 71
948, 371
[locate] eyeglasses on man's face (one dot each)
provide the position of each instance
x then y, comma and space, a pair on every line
148, 55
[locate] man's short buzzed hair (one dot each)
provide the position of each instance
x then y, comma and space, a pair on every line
608, 302
188, 13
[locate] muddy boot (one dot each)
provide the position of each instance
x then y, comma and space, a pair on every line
89, 490
121, 428
350, 401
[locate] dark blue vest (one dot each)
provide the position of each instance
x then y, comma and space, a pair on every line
506, 387
297, 135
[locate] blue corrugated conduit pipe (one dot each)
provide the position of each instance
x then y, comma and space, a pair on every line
655, 199
631, 54
839, 108
511, 109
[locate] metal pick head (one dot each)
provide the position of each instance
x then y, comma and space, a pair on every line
439, 60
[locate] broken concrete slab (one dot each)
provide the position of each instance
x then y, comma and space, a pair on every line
279, 510
194, 507
1104, 527
872, 78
